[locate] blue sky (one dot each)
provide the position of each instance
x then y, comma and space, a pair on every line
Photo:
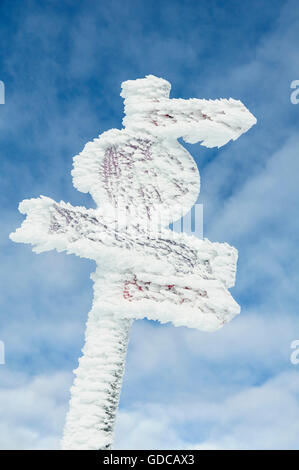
62, 63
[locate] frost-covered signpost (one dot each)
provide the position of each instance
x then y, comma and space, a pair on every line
142, 179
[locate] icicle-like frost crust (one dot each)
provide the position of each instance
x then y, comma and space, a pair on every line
159, 275
141, 179
96, 390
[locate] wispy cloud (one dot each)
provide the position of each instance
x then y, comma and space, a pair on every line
62, 70
257, 417
32, 410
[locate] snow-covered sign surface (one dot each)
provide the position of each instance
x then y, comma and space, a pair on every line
141, 179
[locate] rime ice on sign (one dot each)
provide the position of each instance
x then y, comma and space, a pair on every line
141, 179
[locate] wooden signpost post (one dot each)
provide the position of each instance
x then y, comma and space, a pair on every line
142, 179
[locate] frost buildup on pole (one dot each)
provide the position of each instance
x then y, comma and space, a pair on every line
141, 179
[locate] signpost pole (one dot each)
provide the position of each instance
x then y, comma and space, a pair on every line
143, 270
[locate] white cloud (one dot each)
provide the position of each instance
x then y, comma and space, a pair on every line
33, 411
261, 417
182, 388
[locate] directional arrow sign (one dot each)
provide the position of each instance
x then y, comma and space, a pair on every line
141, 179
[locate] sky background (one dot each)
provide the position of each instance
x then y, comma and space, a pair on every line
62, 63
